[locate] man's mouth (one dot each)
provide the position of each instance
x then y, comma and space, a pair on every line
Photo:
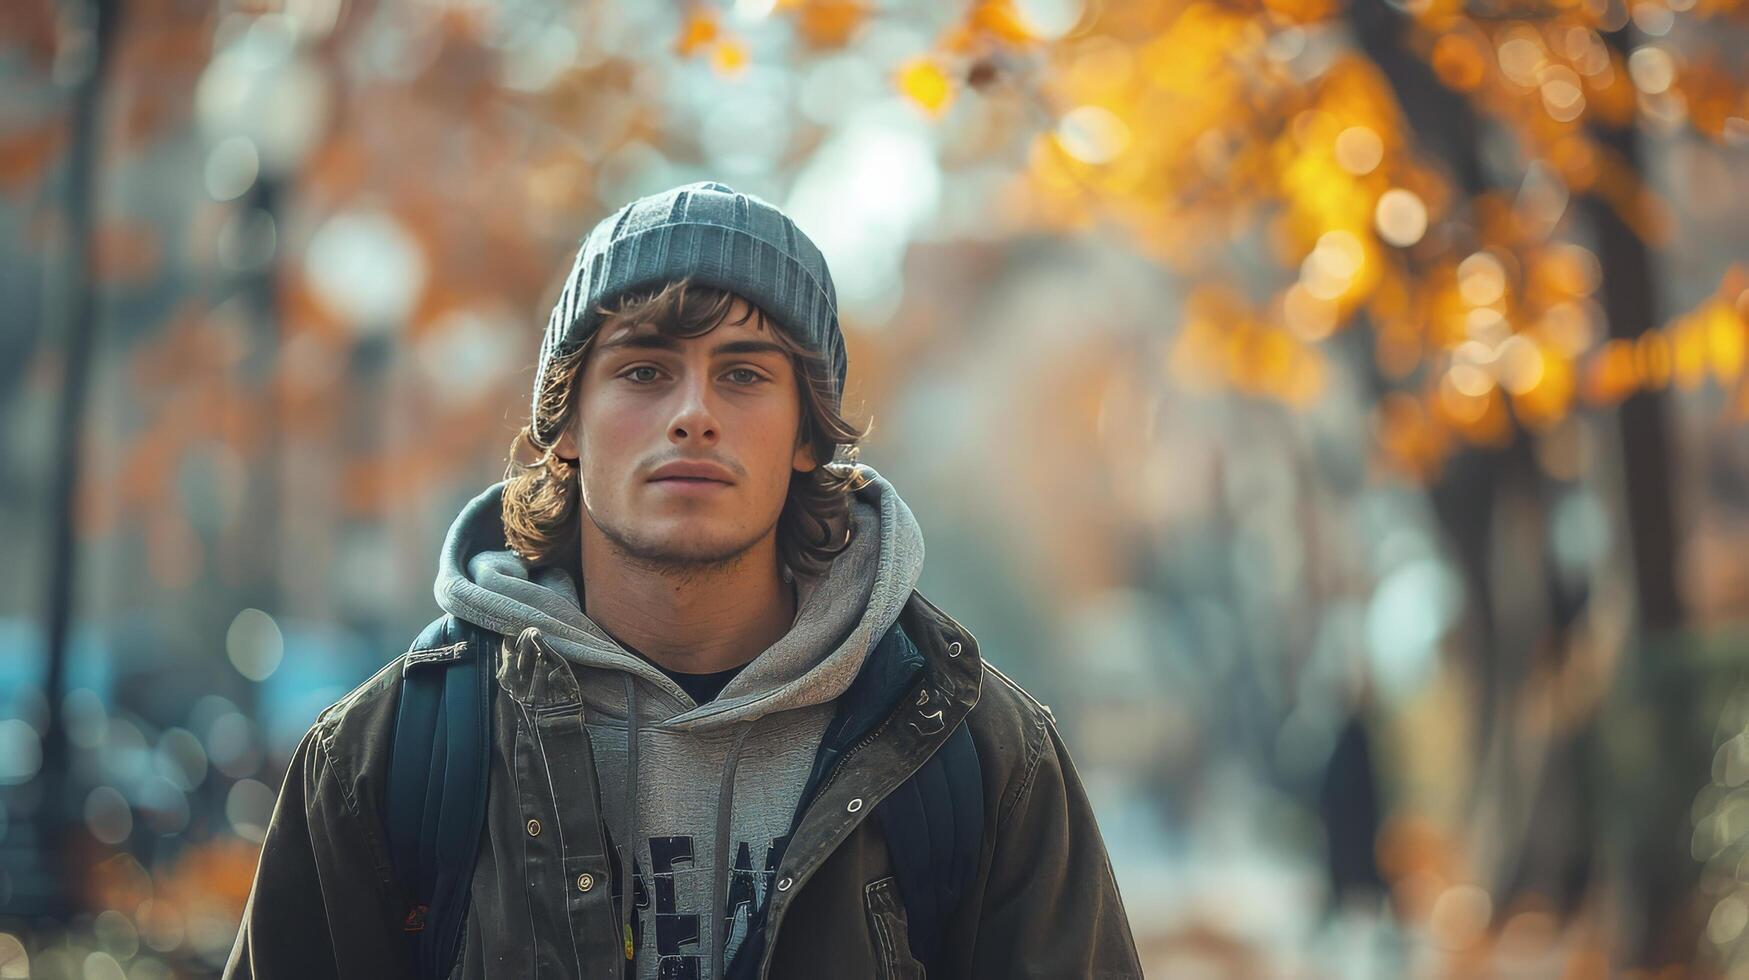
689, 485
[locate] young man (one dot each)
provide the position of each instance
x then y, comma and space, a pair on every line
712, 677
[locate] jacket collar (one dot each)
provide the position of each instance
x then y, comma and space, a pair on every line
949, 650
923, 645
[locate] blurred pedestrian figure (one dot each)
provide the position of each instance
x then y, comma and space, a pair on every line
1348, 804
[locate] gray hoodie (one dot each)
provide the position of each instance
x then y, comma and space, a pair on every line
705, 793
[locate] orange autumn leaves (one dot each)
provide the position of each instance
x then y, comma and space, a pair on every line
1209, 134
703, 35
925, 83
930, 80
1705, 345
1225, 344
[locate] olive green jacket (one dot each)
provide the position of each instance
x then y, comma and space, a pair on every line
1044, 902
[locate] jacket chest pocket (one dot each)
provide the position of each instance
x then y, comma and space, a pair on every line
888, 932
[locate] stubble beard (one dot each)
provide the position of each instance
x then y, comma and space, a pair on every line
680, 562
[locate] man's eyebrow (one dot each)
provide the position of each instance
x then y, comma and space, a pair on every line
643, 341
749, 347
659, 341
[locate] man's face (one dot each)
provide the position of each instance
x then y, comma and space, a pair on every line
724, 404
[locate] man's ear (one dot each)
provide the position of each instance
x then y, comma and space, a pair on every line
566, 446
803, 460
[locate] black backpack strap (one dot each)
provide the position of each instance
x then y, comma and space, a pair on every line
438, 768
934, 825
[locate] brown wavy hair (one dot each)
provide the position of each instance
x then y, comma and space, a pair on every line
542, 494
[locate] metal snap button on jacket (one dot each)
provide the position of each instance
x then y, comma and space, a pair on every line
585, 881
534, 828
854, 806
953, 649
783, 883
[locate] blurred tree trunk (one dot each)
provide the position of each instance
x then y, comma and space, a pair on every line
1663, 873
264, 518
75, 302
1629, 301
1489, 499
1464, 495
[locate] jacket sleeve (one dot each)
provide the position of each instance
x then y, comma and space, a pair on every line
1050, 906
320, 904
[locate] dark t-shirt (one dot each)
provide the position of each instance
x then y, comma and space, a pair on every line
702, 688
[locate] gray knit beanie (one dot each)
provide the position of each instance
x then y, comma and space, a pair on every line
716, 236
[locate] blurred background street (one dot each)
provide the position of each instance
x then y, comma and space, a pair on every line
1334, 409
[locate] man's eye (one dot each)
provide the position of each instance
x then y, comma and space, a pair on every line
634, 372
745, 376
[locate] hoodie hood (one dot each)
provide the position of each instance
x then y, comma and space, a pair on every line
840, 615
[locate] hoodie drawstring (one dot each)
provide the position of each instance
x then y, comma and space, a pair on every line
725, 809
720, 887
628, 848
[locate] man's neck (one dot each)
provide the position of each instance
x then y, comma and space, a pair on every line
701, 622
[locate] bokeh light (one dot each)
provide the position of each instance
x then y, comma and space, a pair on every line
108, 816
1359, 150
254, 644
14, 958
20, 751
1401, 217
366, 268
248, 806
1093, 134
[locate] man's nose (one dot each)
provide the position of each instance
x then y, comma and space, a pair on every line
694, 417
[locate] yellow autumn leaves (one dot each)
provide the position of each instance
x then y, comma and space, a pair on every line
1212, 135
